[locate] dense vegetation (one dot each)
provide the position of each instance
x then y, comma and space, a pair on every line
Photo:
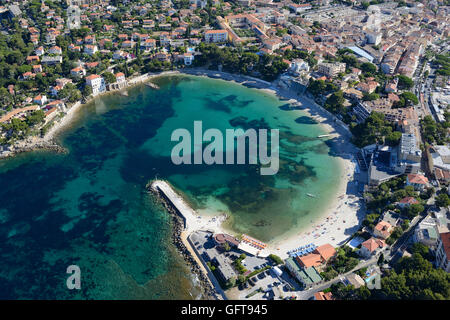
412, 278
404, 82
346, 259
435, 132
373, 130
238, 264
442, 200
317, 87
234, 60
390, 192
291, 54
18, 128
407, 99
443, 64
276, 259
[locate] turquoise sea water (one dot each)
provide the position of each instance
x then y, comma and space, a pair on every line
89, 207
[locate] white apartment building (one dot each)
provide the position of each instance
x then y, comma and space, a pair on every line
97, 84
90, 49
216, 36
298, 65
331, 70
374, 38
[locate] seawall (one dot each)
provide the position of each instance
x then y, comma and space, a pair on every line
179, 211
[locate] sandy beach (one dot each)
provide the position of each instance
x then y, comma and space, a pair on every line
345, 211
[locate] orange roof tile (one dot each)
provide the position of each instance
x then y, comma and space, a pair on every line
417, 179
310, 260
326, 251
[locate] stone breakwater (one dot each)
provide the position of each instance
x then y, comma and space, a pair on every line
208, 292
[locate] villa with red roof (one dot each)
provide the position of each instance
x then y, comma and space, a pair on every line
383, 230
371, 247
318, 258
323, 296
78, 72
418, 181
97, 83
407, 201
40, 99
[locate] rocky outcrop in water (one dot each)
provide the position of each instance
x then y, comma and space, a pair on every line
26, 146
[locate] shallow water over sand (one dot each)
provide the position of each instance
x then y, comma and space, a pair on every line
89, 208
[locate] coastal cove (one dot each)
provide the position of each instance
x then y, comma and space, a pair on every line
89, 206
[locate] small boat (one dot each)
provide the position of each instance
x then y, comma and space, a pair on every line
311, 195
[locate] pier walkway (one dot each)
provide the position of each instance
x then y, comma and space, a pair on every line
192, 220
187, 213
193, 223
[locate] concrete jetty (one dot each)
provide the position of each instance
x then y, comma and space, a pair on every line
182, 237
184, 210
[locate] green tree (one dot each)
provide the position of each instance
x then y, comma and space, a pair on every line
87, 91
365, 5
410, 98
335, 102
405, 82
36, 117
276, 259
393, 138
372, 130
231, 282
109, 77
371, 96
442, 200
368, 68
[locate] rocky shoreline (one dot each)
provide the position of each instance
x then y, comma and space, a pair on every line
47, 143
208, 291
27, 146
